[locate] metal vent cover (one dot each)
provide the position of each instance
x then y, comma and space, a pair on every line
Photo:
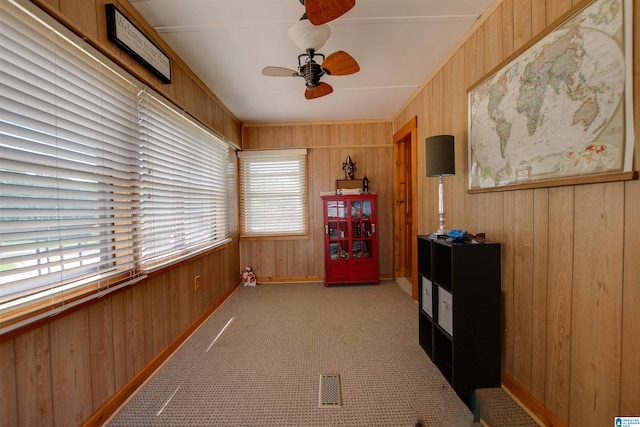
329, 395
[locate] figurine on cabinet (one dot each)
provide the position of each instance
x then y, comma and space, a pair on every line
349, 169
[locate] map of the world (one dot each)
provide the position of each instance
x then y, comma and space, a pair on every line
557, 109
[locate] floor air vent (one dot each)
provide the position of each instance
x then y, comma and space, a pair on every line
330, 395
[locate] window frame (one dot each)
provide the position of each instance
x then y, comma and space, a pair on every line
258, 168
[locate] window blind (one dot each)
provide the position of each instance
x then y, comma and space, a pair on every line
183, 186
69, 161
100, 180
273, 192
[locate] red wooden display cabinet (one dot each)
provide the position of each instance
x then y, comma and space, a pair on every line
351, 241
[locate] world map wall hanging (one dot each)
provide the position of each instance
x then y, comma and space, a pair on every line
560, 108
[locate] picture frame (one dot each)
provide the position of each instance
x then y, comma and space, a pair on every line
559, 111
124, 34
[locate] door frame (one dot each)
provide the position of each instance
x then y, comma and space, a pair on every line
408, 131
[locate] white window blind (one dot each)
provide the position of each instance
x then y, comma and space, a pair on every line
100, 181
232, 191
69, 165
184, 185
273, 192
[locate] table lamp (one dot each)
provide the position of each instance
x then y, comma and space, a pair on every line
440, 163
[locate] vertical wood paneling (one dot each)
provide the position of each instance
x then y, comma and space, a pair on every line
71, 369
597, 297
437, 119
470, 78
538, 16
182, 278
8, 386
119, 344
148, 318
559, 306
189, 273
103, 383
34, 390
522, 322
134, 331
508, 260
493, 210
175, 311
522, 23
481, 58
540, 237
155, 319
630, 386
507, 28
458, 121
267, 252
494, 39
555, 9
66, 369
447, 105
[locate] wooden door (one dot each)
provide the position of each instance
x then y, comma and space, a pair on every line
408, 206
405, 204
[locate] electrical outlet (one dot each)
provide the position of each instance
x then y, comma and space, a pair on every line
196, 284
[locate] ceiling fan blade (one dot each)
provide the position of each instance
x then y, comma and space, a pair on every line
321, 89
322, 11
340, 63
278, 72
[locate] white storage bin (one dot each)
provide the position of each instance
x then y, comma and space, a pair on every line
427, 299
445, 310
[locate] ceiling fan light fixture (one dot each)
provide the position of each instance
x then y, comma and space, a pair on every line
305, 35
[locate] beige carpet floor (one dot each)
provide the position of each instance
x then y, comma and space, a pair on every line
258, 359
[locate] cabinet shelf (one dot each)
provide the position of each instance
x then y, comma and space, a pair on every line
460, 312
351, 245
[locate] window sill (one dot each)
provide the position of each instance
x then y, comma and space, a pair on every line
282, 237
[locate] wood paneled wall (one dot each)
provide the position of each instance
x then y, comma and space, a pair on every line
62, 371
570, 269
370, 146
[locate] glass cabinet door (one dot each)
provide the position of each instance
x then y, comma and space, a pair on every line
361, 229
337, 229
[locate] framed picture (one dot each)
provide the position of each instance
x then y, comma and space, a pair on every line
124, 34
560, 110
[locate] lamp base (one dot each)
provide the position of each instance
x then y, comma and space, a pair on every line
440, 233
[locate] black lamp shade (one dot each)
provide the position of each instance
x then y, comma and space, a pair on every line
440, 156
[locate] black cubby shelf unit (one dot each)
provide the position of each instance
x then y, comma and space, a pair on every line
459, 315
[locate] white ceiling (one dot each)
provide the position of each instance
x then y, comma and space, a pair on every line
227, 43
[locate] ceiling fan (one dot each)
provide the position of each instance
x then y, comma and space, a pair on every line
310, 37
337, 64
322, 11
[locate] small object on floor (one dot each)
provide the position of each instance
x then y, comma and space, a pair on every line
249, 277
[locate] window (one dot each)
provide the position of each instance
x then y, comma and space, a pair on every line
273, 193
100, 181
183, 185
69, 164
